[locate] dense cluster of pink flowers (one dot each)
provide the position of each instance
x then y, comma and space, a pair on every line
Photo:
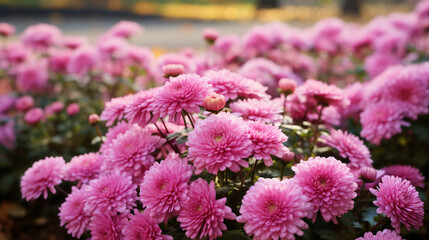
250, 136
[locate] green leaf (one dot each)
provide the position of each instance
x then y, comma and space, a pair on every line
174, 135
348, 219
181, 140
369, 214
235, 234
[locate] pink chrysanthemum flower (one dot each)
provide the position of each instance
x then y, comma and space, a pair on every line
406, 172
143, 226
329, 185
164, 185
7, 135
323, 93
266, 141
40, 36
106, 227
125, 29
254, 89
258, 110
32, 77
72, 214
6, 29
378, 62
138, 108
386, 234
219, 142
83, 60
398, 200
84, 167
130, 152
112, 133
114, 109
273, 209
227, 83
112, 193
381, 121
44, 175
349, 146
184, 92
202, 215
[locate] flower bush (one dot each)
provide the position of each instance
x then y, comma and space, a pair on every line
281, 133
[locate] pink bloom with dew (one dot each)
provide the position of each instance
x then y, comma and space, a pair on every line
115, 109
41, 36
33, 116
131, 152
42, 176
24, 103
165, 187
73, 109
381, 120
267, 140
386, 234
258, 110
219, 142
143, 226
138, 108
184, 92
126, 29
6, 29
32, 77
111, 193
273, 209
84, 167
349, 146
398, 200
202, 215
227, 83
328, 184
406, 172
106, 227
72, 214
114, 132
323, 93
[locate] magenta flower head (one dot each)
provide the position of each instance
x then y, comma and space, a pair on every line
113, 133
24, 103
184, 92
82, 61
72, 214
111, 193
6, 29
324, 94
73, 42
53, 108
267, 140
226, 83
329, 185
34, 116
368, 174
143, 226
138, 108
93, 119
258, 110
125, 29
202, 215
165, 186
349, 146
115, 109
214, 102
210, 35
7, 135
131, 152
273, 209
398, 200
44, 175
406, 172
32, 77
84, 167
73, 109
41, 36
386, 234
172, 70
219, 142
106, 227
287, 86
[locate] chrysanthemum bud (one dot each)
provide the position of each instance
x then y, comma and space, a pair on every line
368, 174
6, 29
288, 156
214, 102
93, 119
210, 35
287, 86
24, 103
73, 109
33, 116
172, 70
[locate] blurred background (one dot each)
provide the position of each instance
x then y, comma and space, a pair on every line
186, 18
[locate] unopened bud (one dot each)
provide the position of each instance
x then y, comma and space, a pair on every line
73, 109
210, 35
368, 174
288, 156
172, 70
287, 86
33, 116
93, 119
214, 102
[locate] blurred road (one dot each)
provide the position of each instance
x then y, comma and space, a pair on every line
165, 33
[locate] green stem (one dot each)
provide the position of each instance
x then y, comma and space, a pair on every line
282, 172
99, 133
175, 149
254, 170
378, 224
